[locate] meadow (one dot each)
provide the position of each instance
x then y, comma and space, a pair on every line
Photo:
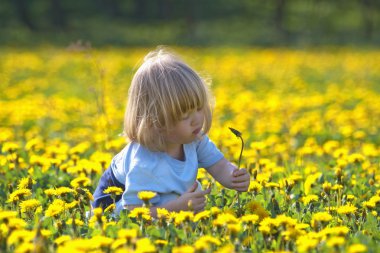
309, 120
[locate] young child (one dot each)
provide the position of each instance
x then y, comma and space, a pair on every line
167, 117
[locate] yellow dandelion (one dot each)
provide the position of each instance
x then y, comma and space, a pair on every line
101, 241
160, 242
113, 190
19, 236
202, 215
64, 191
98, 212
140, 212
145, 245
118, 244
76, 222
357, 248
50, 192
256, 208
272, 185
26, 183
183, 249
62, 239
338, 231
184, 216
16, 223
224, 219
55, 208
335, 241
206, 242
81, 181
146, 195
347, 209
215, 211
255, 187
309, 182
128, 234
6, 215
309, 198
322, 216
110, 208
162, 213
234, 228
10, 147
26, 247
29, 205
250, 218
19, 194
85, 193
306, 244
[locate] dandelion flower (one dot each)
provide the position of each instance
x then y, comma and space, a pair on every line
183, 216
205, 243
16, 223
140, 212
128, 234
25, 183
357, 248
19, 194
250, 218
10, 147
29, 205
309, 198
62, 239
26, 247
81, 181
64, 190
18, 236
110, 208
113, 190
145, 245
202, 215
162, 213
6, 215
255, 187
322, 216
183, 249
146, 195
335, 241
55, 208
347, 209
50, 192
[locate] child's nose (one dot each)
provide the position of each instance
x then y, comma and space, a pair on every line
197, 118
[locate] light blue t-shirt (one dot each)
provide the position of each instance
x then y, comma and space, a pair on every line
140, 169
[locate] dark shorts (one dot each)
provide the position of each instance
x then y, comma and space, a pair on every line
101, 199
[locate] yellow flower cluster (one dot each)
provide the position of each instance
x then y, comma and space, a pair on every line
308, 118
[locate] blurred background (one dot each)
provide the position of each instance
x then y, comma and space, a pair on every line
191, 23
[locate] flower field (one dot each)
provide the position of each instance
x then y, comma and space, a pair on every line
310, 123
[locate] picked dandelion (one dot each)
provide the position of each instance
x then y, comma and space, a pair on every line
238, 135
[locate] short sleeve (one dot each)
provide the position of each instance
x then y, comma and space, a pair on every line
208, 154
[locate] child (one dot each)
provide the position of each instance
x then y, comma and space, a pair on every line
167, 117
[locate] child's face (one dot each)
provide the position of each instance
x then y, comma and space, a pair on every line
187, 129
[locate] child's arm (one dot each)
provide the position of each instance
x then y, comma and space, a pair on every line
230, 176
190, 200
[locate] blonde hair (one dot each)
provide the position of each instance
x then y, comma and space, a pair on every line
163, 89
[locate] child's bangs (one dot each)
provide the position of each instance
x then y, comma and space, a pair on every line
190, 96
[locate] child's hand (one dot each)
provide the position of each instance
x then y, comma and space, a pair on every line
240, 180
193, 200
